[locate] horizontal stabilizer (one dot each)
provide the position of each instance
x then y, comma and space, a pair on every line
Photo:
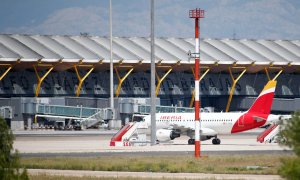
258, 119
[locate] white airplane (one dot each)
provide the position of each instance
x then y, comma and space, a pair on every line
171, 125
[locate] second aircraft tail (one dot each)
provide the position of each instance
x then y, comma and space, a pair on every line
263, 103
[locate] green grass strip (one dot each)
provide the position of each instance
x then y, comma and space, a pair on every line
236, 164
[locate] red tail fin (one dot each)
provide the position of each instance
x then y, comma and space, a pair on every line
263, 103
258, 113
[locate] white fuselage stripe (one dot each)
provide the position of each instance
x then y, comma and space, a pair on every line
197, 90
197, 47
197, 130
267, 91
219, 122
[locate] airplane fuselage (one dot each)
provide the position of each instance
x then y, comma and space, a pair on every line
212, 124
222, 123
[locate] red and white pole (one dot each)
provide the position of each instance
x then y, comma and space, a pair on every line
197, 103
197, 14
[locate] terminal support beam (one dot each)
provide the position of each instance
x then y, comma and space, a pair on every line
81, 79
193, 93
160, 80
41, 79
35, 119
121, 80
268, 75
233, 86
6, 71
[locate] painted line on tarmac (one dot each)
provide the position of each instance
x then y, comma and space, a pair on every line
117, 174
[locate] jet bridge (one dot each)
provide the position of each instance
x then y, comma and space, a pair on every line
145, 109
87, 116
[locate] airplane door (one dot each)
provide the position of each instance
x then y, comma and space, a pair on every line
241, 121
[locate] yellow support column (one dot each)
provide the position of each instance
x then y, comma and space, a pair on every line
160, 80
193, 93
81, 79
41, 79
35, 119
121, 80
268, 75
233, 86
6, 71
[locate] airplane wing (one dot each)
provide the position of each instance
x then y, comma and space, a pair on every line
203, 131
182, 129
208, 132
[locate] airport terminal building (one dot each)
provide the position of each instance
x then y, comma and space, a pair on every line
47, 71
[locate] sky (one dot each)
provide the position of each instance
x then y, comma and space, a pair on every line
234, 19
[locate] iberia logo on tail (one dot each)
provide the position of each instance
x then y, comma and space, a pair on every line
258, 113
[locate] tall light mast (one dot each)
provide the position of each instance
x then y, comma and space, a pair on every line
111, 68
197, 14
153, 95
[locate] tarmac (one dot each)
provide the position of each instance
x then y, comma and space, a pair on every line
49, 143
99, 142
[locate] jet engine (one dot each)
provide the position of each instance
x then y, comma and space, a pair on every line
166, 134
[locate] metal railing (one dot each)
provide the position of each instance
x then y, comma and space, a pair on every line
145, 109
71, 111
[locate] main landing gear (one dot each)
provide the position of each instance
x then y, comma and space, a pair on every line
191, 141
216, 141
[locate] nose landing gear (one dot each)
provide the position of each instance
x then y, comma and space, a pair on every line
191, 141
